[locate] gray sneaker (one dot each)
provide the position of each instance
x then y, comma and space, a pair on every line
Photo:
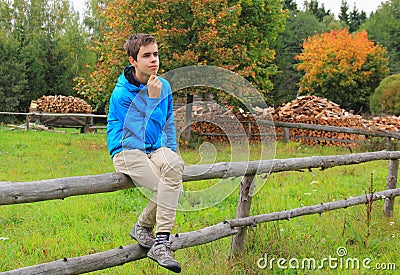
143, 235
161, 253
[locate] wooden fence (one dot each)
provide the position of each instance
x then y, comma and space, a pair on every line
86, 124
303, 126
27, 192
69, 120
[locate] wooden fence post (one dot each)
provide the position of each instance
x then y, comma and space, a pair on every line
27, 121
243, 210
388, 143
188, 116
391, 184
286, 133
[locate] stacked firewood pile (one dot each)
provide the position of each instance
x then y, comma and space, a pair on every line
219, 124
215, 122
61, 104
316, 110
320, 111
389, 123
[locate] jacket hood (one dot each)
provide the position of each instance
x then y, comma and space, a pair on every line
128, 81
129, 73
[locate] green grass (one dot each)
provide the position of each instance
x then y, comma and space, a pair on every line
46, 231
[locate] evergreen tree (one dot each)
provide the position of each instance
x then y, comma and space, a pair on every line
383, 27
299, 26
290, 5
315, 9
356, 19
50, 47
344, 16
12, 74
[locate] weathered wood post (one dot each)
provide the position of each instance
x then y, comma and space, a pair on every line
27, 121
388, 143
286, 135
188, 116
391, 184
243, 210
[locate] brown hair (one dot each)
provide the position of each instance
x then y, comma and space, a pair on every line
133, 44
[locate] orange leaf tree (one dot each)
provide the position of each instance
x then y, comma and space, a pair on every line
234, 35
342, 67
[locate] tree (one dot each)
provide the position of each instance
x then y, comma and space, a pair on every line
92, 21
235, 35
290, 5
344, 13
386, 98
299, 26
12, 74
356, 19
316, 10
342, 67
50, 46
383, 27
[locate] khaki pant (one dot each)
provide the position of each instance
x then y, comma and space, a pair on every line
161, 172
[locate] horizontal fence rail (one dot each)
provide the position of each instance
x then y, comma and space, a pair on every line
375, 132
345, 130
60, 188
316, 127
55, 114
63, 120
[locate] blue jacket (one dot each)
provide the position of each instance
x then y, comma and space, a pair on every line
136, 121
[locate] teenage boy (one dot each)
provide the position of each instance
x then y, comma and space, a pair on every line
141, 140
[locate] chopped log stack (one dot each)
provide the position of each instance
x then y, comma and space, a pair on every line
389, 123
316, 110
61, 104
320, 111
215, 122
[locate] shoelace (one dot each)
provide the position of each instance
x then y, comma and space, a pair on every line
145, 231
166, 250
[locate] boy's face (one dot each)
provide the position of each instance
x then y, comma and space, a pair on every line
147, 62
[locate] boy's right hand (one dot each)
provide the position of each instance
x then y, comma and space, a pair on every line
154, 86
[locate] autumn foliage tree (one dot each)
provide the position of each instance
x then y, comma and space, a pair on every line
342, 67
234, 35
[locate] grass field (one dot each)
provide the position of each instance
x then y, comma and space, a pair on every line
47, 231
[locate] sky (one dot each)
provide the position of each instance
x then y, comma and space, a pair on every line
334, 5
79, 5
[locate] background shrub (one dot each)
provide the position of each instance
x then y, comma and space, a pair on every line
386, 98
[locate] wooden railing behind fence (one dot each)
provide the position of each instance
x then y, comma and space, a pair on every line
88, 118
